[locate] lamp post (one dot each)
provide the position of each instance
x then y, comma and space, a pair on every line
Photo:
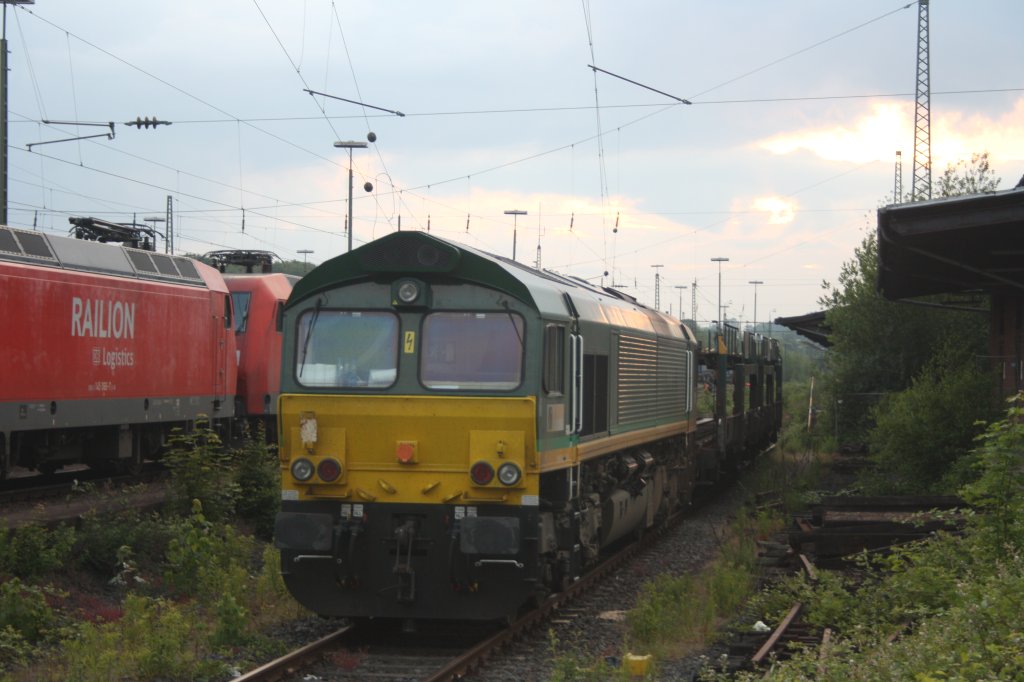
350, 145
755, 282
153, 220
719, 260
515, 213
681, 287
304, 252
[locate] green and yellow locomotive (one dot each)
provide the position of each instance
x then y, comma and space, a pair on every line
460, 433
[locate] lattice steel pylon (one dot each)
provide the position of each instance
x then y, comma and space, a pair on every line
897, 190
693, 302
657, 286
922, 119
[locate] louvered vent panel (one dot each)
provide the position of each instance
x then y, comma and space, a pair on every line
187, 268
141, 261
165, 265
8, 243
35, 245
637, 379
672, 381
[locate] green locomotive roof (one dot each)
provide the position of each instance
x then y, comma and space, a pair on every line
420, 254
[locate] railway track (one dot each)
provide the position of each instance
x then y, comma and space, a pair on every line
65, 495
359, 653
836, 529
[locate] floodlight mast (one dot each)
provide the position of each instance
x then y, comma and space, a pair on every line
515, 213
350, 145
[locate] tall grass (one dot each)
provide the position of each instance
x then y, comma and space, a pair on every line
677, 615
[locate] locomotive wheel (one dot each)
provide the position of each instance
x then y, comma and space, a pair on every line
47, 468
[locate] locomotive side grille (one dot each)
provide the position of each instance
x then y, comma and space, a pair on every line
141, 261
673, 380
165, 265
35, 245
187, 268
160, 267
637, 375
26, 245
8, 243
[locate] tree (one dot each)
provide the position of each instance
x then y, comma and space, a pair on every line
921, 434
961, 178
880, 348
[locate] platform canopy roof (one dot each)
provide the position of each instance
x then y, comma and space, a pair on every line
972, 243
811, 326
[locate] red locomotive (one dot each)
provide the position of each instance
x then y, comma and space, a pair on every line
258, 301
109, 347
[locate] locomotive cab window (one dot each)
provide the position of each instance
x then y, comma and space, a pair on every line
341, 348
554, 359
472, 351
240, 300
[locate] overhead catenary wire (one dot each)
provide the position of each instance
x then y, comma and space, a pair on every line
433, 200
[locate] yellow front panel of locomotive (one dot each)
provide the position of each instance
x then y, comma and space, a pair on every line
414, 449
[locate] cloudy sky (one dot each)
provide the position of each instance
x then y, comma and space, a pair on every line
778, 164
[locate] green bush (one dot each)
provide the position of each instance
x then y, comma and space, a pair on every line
269, 601
795, 436
15, 650
230, 622
207, 560
923, 432
943, 609
154, 640
998, 488
24, 609
259, 484
201, 469
102, 534
33, 551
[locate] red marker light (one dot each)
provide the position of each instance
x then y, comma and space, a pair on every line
329, 470
482, 473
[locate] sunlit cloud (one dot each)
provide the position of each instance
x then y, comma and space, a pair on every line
781, 211
956, 137
888, 127
874, 137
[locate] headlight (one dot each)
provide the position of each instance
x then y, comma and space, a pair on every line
329, 470
482, 473
509, 473
408, 292
302, 470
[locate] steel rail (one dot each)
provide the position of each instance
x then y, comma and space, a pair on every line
777, 634
287, 664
